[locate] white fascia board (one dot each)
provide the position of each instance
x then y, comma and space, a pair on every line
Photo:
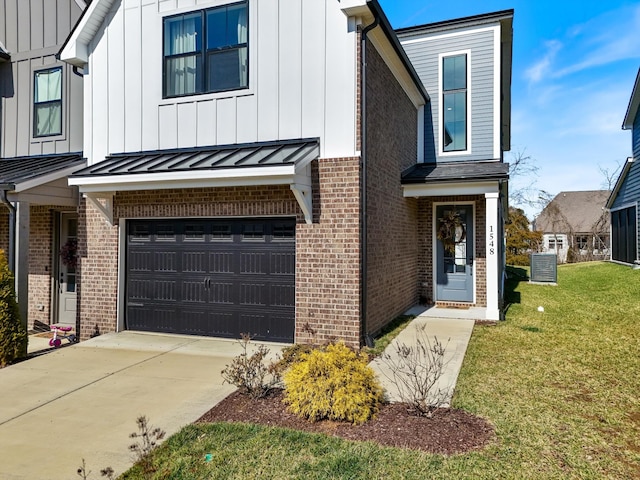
51, 177
355, 8
619, 182
448, 189
151, 181
76, 51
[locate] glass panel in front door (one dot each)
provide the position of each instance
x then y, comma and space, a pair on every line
455, 256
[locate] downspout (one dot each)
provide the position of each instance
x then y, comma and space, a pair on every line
12, 231
368, 340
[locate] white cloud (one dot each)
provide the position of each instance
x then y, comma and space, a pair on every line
540, 69
610, 37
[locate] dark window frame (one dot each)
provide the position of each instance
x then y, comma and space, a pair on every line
47, 103
204, 54
451, 92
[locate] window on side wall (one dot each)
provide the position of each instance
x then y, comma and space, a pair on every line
206, 51
454, 103
47, 102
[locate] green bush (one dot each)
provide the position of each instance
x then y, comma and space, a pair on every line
13, 336
521, 260
333, 383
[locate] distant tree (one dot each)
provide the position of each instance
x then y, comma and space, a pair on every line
522, 167
609, 175
521, 240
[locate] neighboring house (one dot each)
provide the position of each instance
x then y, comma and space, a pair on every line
268, 167
576, 221
40, 145
625, 198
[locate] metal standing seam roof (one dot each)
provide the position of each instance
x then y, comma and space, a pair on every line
16, 170
292, 152
455, 172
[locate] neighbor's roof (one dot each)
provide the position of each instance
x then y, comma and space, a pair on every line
576, 212
455, 172
634, 104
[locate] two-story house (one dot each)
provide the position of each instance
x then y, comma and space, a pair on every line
263, 167
624, 202
40, 145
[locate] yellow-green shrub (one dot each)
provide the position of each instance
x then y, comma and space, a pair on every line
333, 383
13, 335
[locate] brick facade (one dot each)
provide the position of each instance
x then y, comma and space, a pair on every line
327, 256
392, 222
426, 238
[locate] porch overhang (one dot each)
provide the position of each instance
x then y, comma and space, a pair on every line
40, 179
266, 163
455, 178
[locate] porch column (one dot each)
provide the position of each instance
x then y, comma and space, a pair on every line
22, 260
493, 255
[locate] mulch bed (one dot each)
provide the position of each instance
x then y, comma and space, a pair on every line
449, 431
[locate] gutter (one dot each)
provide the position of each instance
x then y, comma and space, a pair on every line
12, 228
368, 340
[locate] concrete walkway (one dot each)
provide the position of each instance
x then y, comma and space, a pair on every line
453, 330
82, 401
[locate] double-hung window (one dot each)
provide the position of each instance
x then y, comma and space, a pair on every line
207, 51
454, 103
47, 102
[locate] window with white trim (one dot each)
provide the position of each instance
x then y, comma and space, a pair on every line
206, 51
454, 103
47, 102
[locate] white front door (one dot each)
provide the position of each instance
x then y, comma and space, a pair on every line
67, 269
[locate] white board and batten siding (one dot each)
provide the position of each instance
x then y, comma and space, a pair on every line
33, 32
482, 45
302, 82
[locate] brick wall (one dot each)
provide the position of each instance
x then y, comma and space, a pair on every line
41, 230
426, 236
327, 252
392, 230
97, 272
328, 257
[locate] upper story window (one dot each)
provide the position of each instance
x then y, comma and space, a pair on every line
47, 102
454, 103
206, 51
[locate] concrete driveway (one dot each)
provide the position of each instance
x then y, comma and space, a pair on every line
82, 401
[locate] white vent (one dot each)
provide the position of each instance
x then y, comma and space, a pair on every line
544, 267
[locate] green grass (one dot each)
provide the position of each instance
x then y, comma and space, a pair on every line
561, 388
388, 333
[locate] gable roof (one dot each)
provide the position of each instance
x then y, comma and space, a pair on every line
576, 212
634, 104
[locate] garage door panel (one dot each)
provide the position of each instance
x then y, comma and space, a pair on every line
222, 262
282, 263
212, 277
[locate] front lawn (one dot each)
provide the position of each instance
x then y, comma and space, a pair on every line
560, 386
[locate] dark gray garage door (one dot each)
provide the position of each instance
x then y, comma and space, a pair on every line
212, 277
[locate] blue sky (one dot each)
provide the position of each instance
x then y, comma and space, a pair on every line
574, 65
